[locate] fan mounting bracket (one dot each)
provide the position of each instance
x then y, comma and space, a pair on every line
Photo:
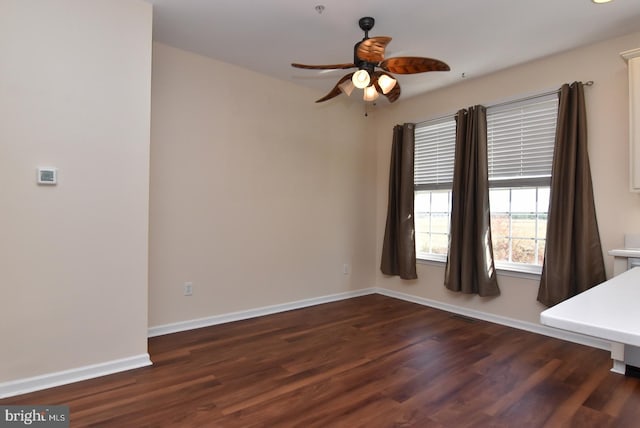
366, 23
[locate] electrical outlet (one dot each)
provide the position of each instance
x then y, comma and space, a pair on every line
188, 288
346, 269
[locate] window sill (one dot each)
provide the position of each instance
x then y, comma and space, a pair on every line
524, 272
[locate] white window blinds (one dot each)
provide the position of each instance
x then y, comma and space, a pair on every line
520, 140
520, 143
434, 152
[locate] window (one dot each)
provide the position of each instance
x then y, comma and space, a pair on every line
433, 175
520, 141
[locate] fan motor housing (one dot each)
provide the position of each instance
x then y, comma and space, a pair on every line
361, 64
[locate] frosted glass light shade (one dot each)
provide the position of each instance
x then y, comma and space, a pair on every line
386, 83
347, 87
370, 93
361, 79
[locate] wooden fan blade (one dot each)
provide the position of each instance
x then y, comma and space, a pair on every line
394, 93
336, 89
372, 50
323, 67
411, 65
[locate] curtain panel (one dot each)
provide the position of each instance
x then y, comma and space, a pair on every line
399, 248
573, 259
470, 267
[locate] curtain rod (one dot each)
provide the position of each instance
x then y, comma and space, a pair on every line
530, 97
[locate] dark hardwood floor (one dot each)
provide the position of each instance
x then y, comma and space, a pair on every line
371, 361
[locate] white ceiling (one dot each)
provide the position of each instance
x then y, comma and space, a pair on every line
474, 37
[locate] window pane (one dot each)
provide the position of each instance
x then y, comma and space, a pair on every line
440, 244
541, 247
499, 225
501, 249
422, 241
440, 223
524, 250
523, 226
423, 223
422, 203
523, 200
440, 202
499, 200
543, 199
542, 226
422, 217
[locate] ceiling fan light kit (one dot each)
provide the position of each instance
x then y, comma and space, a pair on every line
361, 79
386, 83
368, 54
370, 93
347, 87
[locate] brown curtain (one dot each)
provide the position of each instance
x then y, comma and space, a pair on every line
470, 267
399, 248
573, 259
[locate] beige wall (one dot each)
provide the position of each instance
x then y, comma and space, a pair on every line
258, 195
618, 210
74, 94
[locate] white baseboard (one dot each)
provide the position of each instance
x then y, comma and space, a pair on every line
23, 386
36, 383
497, 319
252, 313
268, 310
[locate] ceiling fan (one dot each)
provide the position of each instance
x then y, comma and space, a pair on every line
368, 56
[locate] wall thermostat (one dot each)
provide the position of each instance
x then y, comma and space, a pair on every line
47, 175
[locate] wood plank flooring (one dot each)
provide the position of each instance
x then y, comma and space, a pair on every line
371, 361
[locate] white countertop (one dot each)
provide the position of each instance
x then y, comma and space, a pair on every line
626, 252
609, 311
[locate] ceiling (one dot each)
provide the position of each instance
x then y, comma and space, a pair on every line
474, 37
